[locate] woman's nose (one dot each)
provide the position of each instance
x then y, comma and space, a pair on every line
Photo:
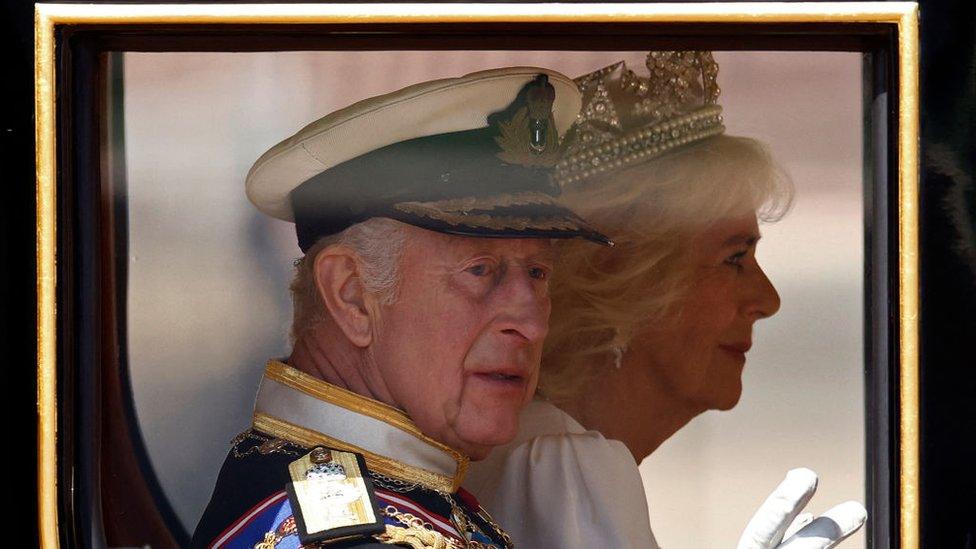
763, 298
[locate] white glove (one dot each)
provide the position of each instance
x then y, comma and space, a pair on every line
768, 526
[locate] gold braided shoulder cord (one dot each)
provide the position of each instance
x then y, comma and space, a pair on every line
418, 533
423, 539
460, 516
417, 538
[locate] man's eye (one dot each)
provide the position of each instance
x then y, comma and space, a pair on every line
539, 273
480, 269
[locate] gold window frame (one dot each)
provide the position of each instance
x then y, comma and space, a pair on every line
52, 18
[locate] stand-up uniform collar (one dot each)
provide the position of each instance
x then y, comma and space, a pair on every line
299, 408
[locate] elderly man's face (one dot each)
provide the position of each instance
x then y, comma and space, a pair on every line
459, 350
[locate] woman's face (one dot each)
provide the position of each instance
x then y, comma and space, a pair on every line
697, 354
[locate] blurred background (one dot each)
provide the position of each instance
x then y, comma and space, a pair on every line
208, 275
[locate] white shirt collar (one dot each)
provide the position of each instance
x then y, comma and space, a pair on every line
305, 410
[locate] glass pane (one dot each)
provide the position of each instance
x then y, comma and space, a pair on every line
208, 274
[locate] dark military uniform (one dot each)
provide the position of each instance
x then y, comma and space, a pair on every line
417, 497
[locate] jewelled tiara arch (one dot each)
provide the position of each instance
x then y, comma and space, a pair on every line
628, 118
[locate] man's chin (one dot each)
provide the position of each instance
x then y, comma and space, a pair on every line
478, 453
478, 441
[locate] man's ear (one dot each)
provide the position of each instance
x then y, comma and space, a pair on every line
337, 280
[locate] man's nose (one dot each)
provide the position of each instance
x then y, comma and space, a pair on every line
763, 299
525, 305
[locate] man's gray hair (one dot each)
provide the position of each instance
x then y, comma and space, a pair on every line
378, 244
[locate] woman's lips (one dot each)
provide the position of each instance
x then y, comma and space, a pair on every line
736, 350
742, 347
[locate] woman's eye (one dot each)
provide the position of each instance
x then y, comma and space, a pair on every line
736, 259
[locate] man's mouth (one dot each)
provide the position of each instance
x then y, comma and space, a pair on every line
503, 377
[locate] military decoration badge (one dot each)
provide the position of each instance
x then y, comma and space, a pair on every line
529, 137
332, 498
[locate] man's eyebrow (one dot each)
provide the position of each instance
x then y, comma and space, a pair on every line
547, 256
461, 247
749, 239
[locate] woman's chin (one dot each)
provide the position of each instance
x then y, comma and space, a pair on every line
722, 397
728, 401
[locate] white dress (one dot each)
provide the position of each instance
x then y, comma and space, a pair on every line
558, 485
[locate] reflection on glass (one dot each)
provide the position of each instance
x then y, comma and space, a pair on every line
208, 274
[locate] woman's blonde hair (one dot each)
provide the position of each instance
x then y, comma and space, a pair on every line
601, 298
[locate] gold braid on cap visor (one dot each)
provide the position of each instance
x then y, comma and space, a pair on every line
627, 118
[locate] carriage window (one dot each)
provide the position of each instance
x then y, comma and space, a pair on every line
208, 275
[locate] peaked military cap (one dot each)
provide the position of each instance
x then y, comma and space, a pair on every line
468, 156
